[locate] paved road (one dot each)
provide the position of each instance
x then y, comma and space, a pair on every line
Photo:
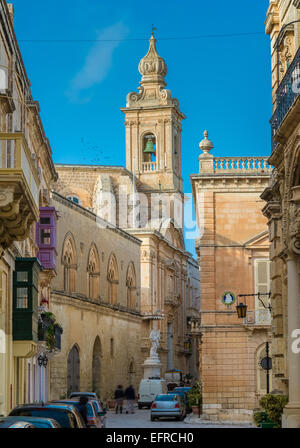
141, 419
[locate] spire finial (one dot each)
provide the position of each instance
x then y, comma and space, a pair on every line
152, 67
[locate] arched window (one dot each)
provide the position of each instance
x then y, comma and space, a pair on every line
131, 287
93, 269
69, 262
113, 280
149, 148
73, 369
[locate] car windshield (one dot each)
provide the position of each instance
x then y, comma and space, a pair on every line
166, 397
65, 418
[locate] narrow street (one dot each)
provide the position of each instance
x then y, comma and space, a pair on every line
141, 419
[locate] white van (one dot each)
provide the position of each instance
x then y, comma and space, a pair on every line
148, 390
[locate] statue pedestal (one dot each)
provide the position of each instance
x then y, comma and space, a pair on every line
152, 367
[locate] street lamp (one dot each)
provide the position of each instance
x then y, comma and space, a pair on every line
187, 345
43, 360
242, 308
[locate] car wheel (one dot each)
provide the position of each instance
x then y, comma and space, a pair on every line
139, 406
152, 418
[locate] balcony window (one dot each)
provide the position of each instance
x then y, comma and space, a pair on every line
25, 299
22, 298
22, 276
45, 221
46, 236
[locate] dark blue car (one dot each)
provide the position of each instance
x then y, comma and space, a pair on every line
183, 391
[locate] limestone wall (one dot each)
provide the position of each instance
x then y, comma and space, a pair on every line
83, 318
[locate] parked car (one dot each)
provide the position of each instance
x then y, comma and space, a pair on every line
65, 414
37, 422
168, 405
148, 390
101, 411
14, 422
85, 394
183, 392
93, 419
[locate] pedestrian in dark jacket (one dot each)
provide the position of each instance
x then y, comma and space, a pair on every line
83, 409
119, 395
130, 399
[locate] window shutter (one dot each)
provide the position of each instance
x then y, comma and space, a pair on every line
262, 279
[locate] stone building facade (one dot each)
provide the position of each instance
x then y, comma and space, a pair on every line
26, 176
97, 297
233, 256
282, 197
145, 199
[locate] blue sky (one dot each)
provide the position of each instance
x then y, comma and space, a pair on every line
223, 84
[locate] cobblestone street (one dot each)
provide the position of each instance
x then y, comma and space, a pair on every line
141, 419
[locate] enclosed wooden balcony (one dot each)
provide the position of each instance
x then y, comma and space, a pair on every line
19, 189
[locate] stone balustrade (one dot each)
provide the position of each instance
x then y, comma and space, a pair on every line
149, 167
258, 317
241, 165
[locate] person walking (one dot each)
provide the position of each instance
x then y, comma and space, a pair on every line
130, 399
119, 395
83, 409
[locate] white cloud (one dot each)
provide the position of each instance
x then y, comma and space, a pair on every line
98, 61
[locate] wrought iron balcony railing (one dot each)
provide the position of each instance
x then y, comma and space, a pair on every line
286, 95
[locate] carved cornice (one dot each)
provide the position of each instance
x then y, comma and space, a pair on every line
15, 217
296, 3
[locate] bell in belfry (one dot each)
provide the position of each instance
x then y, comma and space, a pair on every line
149, 149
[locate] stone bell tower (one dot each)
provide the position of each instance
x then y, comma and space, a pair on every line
153, 127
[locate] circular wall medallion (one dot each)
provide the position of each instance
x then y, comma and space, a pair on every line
228, 298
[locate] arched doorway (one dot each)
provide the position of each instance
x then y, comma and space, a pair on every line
96, 366
73, 370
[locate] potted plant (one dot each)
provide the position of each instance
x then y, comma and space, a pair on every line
195, 398
272, 406
48, 318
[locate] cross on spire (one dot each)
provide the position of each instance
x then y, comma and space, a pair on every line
153, 29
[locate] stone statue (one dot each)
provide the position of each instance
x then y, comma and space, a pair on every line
154, 338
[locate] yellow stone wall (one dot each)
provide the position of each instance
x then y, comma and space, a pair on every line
83, 318
233, 235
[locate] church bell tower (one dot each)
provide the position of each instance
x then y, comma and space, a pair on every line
153, 127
